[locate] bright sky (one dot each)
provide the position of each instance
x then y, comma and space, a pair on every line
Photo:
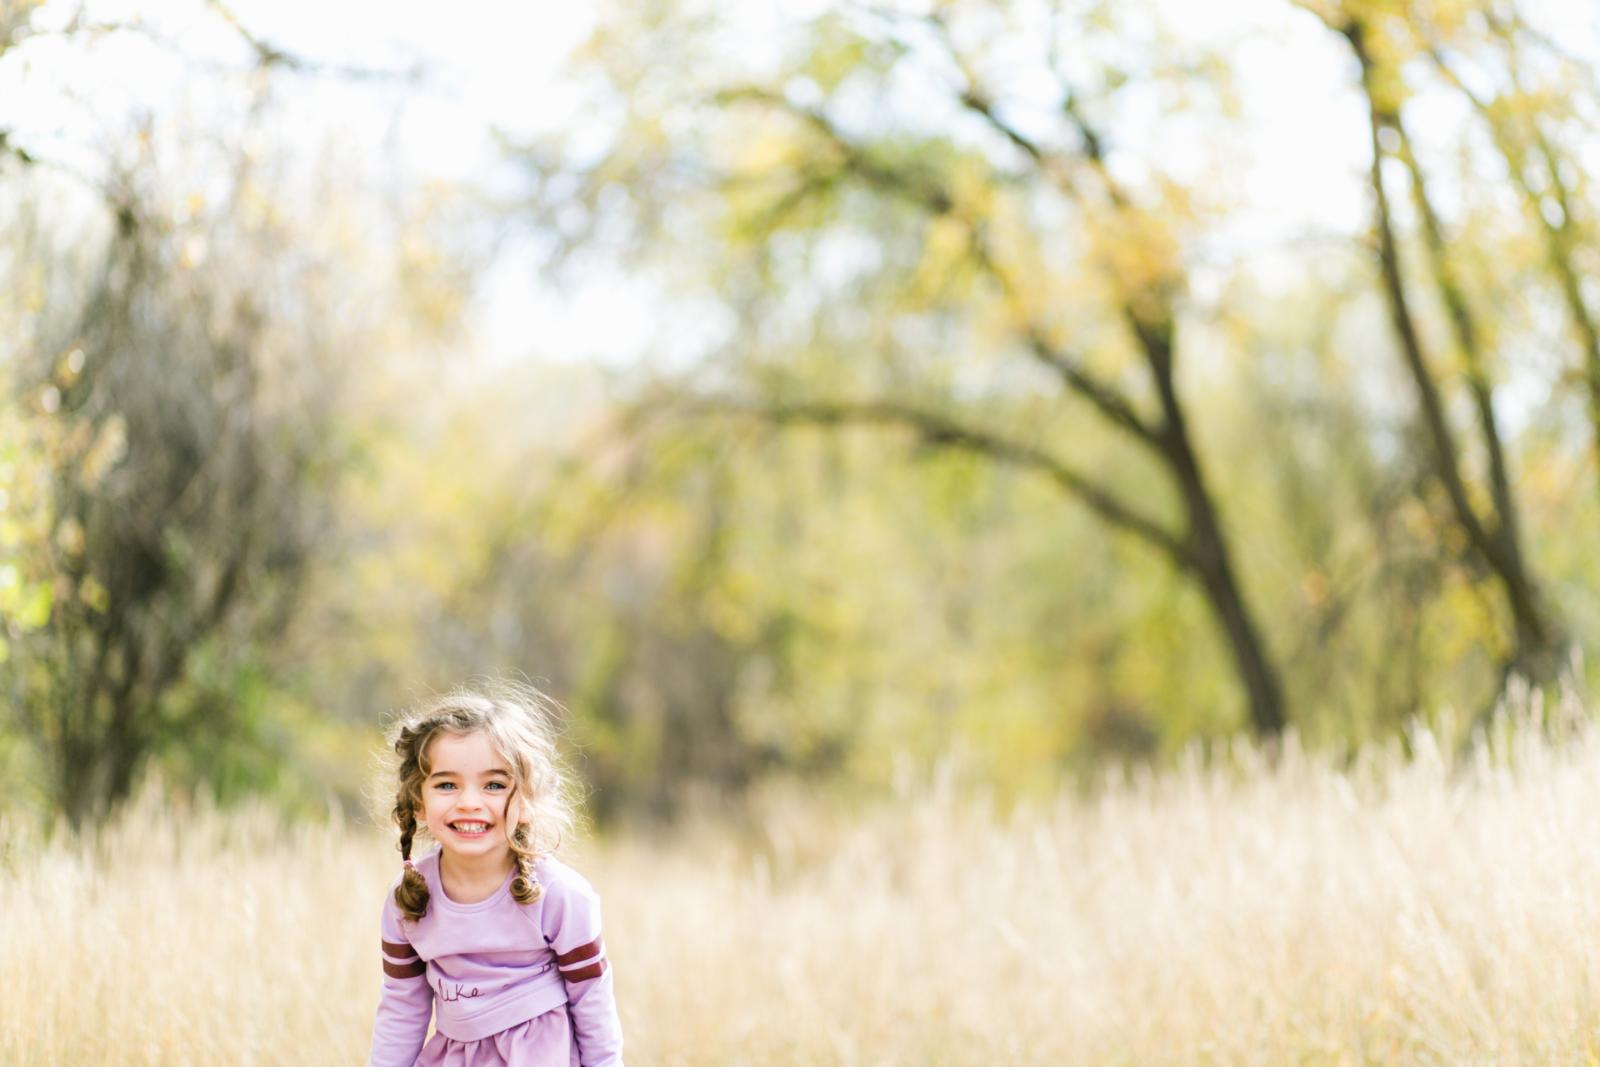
497, 65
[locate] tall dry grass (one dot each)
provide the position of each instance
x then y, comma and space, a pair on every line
1406, 910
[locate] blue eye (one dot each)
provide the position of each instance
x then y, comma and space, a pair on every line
495, 785
444, 785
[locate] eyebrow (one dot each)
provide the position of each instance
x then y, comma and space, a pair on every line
485, 774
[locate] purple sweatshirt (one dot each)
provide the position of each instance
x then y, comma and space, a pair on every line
485, 967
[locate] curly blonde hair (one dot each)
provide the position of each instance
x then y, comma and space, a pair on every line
520, 723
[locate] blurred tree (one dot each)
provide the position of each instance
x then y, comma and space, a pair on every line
1534, 93
989, 237
1382, 40
186, 449
182, 343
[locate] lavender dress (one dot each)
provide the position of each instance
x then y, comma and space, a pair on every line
504, 983
543, 1040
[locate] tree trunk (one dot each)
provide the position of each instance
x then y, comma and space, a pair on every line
1210, 559
1494, 539
1147, 310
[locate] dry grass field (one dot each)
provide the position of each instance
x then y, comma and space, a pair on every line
1396, 910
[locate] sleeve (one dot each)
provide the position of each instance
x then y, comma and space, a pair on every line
406, 1003
570, 922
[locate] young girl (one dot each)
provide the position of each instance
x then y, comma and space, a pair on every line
489, 933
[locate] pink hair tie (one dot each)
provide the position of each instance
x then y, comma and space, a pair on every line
410, 866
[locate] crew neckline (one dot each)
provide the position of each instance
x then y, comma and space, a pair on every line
477, 905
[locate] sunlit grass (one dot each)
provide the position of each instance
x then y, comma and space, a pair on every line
1414, 910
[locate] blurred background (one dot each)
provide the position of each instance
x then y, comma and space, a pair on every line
799, 393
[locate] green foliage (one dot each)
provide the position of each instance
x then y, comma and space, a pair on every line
721, 597
25, 594
844, 233
180, 333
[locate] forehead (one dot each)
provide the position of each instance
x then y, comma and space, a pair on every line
466, 754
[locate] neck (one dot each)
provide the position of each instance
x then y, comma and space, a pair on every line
475, 872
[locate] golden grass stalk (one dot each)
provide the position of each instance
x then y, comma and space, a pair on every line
1404, 909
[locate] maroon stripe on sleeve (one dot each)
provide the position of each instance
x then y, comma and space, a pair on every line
399, 950
583, 974
404, 970
579, 954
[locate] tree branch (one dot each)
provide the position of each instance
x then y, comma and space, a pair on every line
1559, 237
1468, 338
1445, 449
1111, 403
943, 431
270, 55
1150, 320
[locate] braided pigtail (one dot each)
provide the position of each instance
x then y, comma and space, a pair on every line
525, 887
410, 744
412, 892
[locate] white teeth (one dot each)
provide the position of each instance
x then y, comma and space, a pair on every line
470, 827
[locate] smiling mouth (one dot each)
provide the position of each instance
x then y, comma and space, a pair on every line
469, 828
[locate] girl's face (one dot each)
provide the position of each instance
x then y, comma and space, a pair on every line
464, 796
